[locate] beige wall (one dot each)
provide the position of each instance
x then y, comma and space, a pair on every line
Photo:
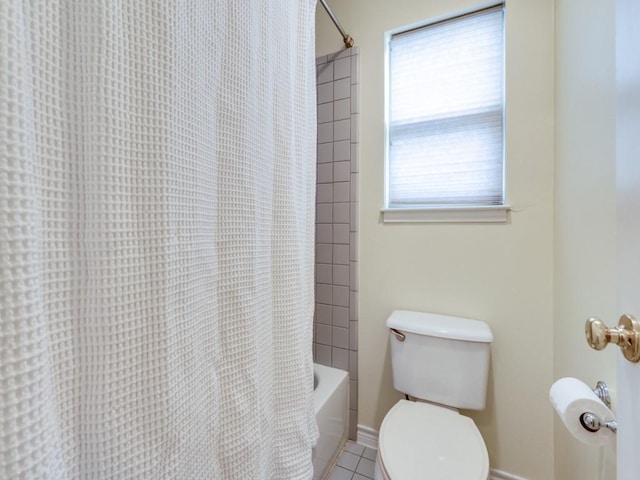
585, 276
502, 274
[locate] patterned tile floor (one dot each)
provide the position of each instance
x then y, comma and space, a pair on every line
355, 463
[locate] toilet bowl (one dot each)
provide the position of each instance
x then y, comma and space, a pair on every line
424, 441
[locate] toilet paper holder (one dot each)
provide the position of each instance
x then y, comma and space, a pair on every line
602, 392
590, 421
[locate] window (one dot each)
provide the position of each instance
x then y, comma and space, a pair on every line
445, 149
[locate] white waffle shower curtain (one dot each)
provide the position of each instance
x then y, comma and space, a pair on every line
156, 239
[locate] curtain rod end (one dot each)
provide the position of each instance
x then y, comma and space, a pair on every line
348, 41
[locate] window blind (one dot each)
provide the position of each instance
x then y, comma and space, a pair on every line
446, 113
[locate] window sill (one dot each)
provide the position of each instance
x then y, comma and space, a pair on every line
450, 214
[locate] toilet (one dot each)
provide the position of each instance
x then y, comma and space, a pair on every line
442, 364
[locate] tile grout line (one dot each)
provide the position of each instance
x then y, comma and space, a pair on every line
348, 469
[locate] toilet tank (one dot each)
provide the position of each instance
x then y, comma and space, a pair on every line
441, 359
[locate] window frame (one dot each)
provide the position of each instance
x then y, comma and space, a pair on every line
465, 213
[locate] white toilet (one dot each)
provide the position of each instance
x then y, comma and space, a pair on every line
443, 362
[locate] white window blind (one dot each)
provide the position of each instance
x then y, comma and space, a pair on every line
445, 116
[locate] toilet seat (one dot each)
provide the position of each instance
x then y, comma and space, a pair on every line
421, 440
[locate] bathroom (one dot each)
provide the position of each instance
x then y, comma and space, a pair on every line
534, 278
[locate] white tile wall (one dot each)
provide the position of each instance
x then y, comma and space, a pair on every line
341, 109
342, 150
340, 296
353, 246
324, 213
341, 254
340, 54
340, 358
325, 93
341, 192
353, 274
324, 253
353, 405
354, 187
355, 107
355, 70
325, 72
341, 234
323, 354
340, 316
342, 130
341, 213
324, 193
341, 171
324, 314
324, 273
342, 68
342, 89
353, 307
353, 216
336, 317
323, 334
355, 122
325, 173
324, 233
325, 112
325, 152
355, 160
325, 132
340, 338
340, 275
353, 346
324, 294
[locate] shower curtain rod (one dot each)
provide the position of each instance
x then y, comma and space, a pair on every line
346, 38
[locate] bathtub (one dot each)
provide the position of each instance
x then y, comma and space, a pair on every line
331, 401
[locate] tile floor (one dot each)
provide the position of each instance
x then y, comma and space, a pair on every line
355, 463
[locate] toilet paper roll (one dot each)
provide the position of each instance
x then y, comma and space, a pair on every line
571, 398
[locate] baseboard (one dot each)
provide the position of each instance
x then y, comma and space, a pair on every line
368, 437
500, 475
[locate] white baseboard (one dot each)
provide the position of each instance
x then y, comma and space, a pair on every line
500, 475
368, 437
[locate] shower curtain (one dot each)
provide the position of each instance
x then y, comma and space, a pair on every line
157, 186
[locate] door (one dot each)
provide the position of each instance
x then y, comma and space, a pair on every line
628, 232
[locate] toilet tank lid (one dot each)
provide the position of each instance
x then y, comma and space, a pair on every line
442, 326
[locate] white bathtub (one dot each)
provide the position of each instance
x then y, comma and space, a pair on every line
331, 400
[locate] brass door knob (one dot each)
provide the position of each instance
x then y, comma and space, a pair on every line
626, 335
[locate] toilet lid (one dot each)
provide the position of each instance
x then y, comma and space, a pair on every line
420, 440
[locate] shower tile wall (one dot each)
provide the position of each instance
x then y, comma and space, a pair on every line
336, 319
